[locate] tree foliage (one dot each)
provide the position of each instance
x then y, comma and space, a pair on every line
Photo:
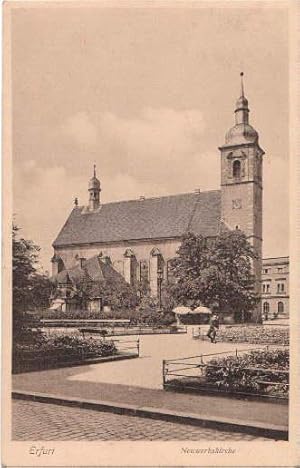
31, 288
114, 292
215, 273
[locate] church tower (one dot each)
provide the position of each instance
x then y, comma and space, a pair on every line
94, 191
242, 181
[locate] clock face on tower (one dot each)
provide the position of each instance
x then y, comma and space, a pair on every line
236, 204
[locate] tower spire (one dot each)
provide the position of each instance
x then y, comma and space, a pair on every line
95, 170
242, 84
242, 109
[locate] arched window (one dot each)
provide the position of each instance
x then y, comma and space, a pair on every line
236, 168
60, 265
266, 307
280, 307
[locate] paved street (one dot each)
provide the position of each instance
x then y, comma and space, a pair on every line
40, 421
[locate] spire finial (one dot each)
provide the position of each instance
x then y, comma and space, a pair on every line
94, 170
242, 84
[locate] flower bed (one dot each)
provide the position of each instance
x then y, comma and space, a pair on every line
254, 334
59, 350
257, 372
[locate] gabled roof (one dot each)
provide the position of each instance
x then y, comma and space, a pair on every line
95, 269
152, 218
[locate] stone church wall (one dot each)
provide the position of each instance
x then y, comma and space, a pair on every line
144, 254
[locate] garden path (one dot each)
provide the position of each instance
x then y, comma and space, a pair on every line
146, 371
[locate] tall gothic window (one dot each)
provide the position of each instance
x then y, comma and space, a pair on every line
236, 169
266, 307
280, 307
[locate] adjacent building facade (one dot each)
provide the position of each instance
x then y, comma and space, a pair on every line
141, 236
275, 287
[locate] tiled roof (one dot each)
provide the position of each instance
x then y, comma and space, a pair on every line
94, 269
151, 218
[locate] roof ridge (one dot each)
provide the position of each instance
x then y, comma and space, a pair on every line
157, 198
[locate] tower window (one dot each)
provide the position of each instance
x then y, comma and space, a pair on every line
236, 169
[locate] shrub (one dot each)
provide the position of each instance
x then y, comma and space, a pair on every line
233, 374
63, 347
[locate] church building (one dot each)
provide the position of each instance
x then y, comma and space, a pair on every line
141, 236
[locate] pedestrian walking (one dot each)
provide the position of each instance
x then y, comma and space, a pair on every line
214, 325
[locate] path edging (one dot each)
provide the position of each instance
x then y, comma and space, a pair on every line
248, 427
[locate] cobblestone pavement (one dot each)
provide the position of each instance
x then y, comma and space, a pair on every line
40, 421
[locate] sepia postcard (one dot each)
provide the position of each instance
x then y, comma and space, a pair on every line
151, 257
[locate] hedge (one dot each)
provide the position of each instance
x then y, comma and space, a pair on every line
240, 374
57, 350
136, 317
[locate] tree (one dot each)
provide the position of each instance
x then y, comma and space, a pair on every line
217, 273
113, 291
31, 289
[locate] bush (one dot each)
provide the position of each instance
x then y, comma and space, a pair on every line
58, 350
233, 374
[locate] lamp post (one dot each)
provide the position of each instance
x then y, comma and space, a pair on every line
159, 283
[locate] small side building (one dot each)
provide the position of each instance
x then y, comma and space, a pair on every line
275, 287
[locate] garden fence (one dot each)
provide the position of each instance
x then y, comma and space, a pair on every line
189, 373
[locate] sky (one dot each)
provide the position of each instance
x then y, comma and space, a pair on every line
147, 94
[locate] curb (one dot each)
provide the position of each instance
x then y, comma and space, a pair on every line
248, 427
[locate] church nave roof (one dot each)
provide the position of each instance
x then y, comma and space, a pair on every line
152, 218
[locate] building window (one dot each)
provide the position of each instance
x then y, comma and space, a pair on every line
280, 269
144, 271
280, 307
280, 287
266, 288
266, 270
236, 169
60, 265
266, 307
